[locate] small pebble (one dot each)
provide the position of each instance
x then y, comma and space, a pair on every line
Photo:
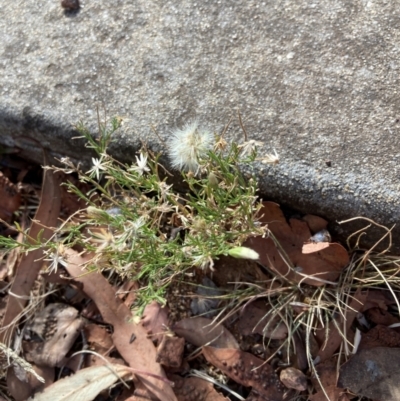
321, 236
70, 5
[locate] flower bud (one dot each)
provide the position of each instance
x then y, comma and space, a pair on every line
243, 252
94, 212
213, 180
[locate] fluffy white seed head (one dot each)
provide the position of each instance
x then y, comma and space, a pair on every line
188, 145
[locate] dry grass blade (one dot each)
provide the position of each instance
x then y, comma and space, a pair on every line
332, 343
28, 269
139, 354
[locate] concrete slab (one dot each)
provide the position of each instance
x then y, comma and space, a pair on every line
317, 80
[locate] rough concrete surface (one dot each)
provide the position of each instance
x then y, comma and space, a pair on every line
315, 79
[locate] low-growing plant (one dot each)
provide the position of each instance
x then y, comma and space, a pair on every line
140, 226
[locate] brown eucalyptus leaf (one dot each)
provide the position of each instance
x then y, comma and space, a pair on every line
31, 262
201, 331
312, 268
84, 385
247, 370
129, 338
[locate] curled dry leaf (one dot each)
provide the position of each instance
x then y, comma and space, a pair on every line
84, 385
373, 373
325, 264
195, 389
254, 318
247, 370
56, 327
202, 331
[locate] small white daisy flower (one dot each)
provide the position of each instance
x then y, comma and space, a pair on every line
141, 166
188, 145
98, 165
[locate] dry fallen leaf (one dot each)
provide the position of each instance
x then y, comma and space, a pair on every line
380, 316
253, 319
202, 331
379, 299
84, 385
247, 370
334, 393
10, 198
314, 247
315, 223
127, 292
70, 202
52, 333
170, 351
155, 320
129, 338
325, 264
328, 375
22, 384
98, 337
29, 267
195, 389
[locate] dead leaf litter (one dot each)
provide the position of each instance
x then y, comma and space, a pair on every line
286, 332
